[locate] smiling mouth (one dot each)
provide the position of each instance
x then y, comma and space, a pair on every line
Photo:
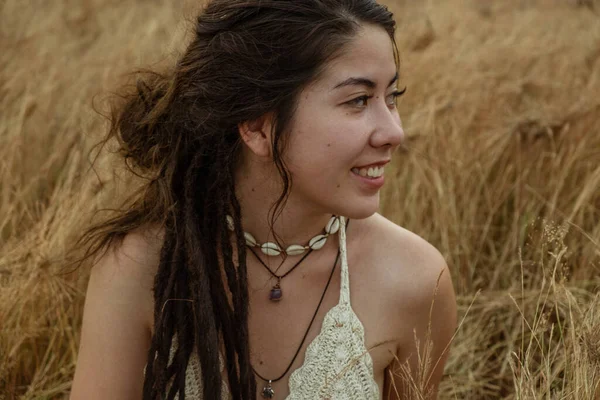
371, 172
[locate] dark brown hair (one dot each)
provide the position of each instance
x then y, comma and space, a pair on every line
180, 130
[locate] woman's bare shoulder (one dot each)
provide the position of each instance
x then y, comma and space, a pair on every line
131, 265
419, 290
137, 254
116, 327
142, 247
405, 260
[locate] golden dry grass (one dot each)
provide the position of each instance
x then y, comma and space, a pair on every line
501, 172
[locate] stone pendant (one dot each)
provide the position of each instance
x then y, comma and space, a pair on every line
276, 293
268, 391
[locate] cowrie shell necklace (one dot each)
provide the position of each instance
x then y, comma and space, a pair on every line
273, 249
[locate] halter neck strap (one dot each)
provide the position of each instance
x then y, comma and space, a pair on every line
345, 279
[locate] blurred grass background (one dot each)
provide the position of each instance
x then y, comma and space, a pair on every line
501, 172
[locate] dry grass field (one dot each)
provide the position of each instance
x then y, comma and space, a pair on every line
501, 172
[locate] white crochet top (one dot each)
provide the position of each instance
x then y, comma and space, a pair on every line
337, 364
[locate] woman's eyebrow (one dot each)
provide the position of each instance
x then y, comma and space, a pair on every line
353, 81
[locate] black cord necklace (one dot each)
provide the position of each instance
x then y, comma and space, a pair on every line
268, 391
276, 293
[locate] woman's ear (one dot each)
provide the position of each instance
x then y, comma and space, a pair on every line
257, 135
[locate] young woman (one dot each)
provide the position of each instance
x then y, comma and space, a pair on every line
254, 264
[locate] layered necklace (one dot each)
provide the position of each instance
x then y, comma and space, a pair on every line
273, 249
276, 294
268, 392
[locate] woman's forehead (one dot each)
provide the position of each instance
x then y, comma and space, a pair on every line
369, 56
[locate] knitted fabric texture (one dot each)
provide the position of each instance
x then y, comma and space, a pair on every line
193, 379
337, 364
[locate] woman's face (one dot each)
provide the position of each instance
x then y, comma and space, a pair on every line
346, 123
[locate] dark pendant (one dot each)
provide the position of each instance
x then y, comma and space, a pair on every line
276, 293
268, 391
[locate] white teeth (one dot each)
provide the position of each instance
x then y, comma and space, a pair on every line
375, 172
371, 172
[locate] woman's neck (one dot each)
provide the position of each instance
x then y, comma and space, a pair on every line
257, 189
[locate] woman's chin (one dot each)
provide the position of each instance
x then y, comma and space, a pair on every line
361, 211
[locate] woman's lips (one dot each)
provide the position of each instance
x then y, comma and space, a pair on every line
370, 182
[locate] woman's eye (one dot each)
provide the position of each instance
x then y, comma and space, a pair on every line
392, 97
360, 101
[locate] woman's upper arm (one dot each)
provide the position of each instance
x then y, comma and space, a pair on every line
115, 334
433, 326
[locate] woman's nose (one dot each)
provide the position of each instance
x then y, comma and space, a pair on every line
388, 129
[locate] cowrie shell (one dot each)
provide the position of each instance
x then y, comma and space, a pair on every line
230, 223
250, 241
333, 225
295, 250
270, 249
317, 242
